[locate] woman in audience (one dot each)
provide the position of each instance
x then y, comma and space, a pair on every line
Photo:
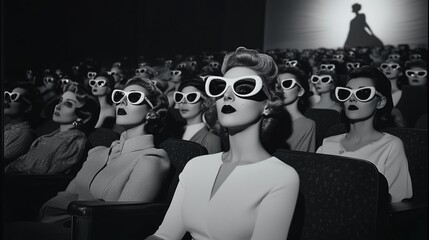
21, 108
293, 88
393, 71
367, 103
193, 102
206, 202
416, 73
131, 169
325, 82
102, 87
60, 151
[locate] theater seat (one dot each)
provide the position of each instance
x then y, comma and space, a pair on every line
324, 119
132, 220
409, 217
339, 197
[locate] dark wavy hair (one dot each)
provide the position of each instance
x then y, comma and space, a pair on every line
383, 117
155, 118
90, 110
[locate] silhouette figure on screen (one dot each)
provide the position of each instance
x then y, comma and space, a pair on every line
360, 33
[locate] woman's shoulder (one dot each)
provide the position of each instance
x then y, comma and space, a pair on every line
280, 171
391, 139
205, 160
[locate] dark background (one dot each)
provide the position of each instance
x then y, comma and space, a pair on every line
51, 33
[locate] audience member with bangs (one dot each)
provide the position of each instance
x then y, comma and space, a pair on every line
145, 72
367, 103
292, 87
206, 202
102, 87
192, 102
324, 83
416, 72
61, 151
21, 106
131, 169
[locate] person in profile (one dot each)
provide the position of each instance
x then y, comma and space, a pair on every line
360, 34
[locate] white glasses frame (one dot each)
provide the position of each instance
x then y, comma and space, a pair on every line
184, 97
229, 82
126, 95
353, 92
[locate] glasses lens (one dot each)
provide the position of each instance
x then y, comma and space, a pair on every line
134, 97
117, 96
7, 97
244, 86
314, 79
330, 67
383, 66
349, 65
101, 83
343, 94
191, 98
394, 66
178, 96
14, 96
421, 73
364, 94
287, 84
92, 83
217, 86
325, 79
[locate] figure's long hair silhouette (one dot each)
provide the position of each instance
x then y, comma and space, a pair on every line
358, 34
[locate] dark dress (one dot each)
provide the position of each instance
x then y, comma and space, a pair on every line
358, 36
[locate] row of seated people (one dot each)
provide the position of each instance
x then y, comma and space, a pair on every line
313, 109
363, 101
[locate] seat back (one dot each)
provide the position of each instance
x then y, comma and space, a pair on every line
413, 103
324, 119
422, 122
180, 152
102, 137
416, 149
339, 197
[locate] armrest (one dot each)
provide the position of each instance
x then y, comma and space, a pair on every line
115, 220
407, 206
94, 209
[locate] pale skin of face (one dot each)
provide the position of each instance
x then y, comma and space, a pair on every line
191, 112
416, 80
16, 109
243, 124
291, 96
361, 117
64, 112
134, 118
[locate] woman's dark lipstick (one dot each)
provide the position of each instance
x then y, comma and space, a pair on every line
121, 111
352, 108
228, 109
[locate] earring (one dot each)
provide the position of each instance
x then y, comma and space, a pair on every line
77, 122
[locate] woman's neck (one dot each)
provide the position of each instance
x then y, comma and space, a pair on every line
135, 131
103, 102
66, 127
362, 130
246, 147
394, 83
294, 111
194, 120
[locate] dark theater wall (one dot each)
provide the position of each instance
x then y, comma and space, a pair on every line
45, 33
